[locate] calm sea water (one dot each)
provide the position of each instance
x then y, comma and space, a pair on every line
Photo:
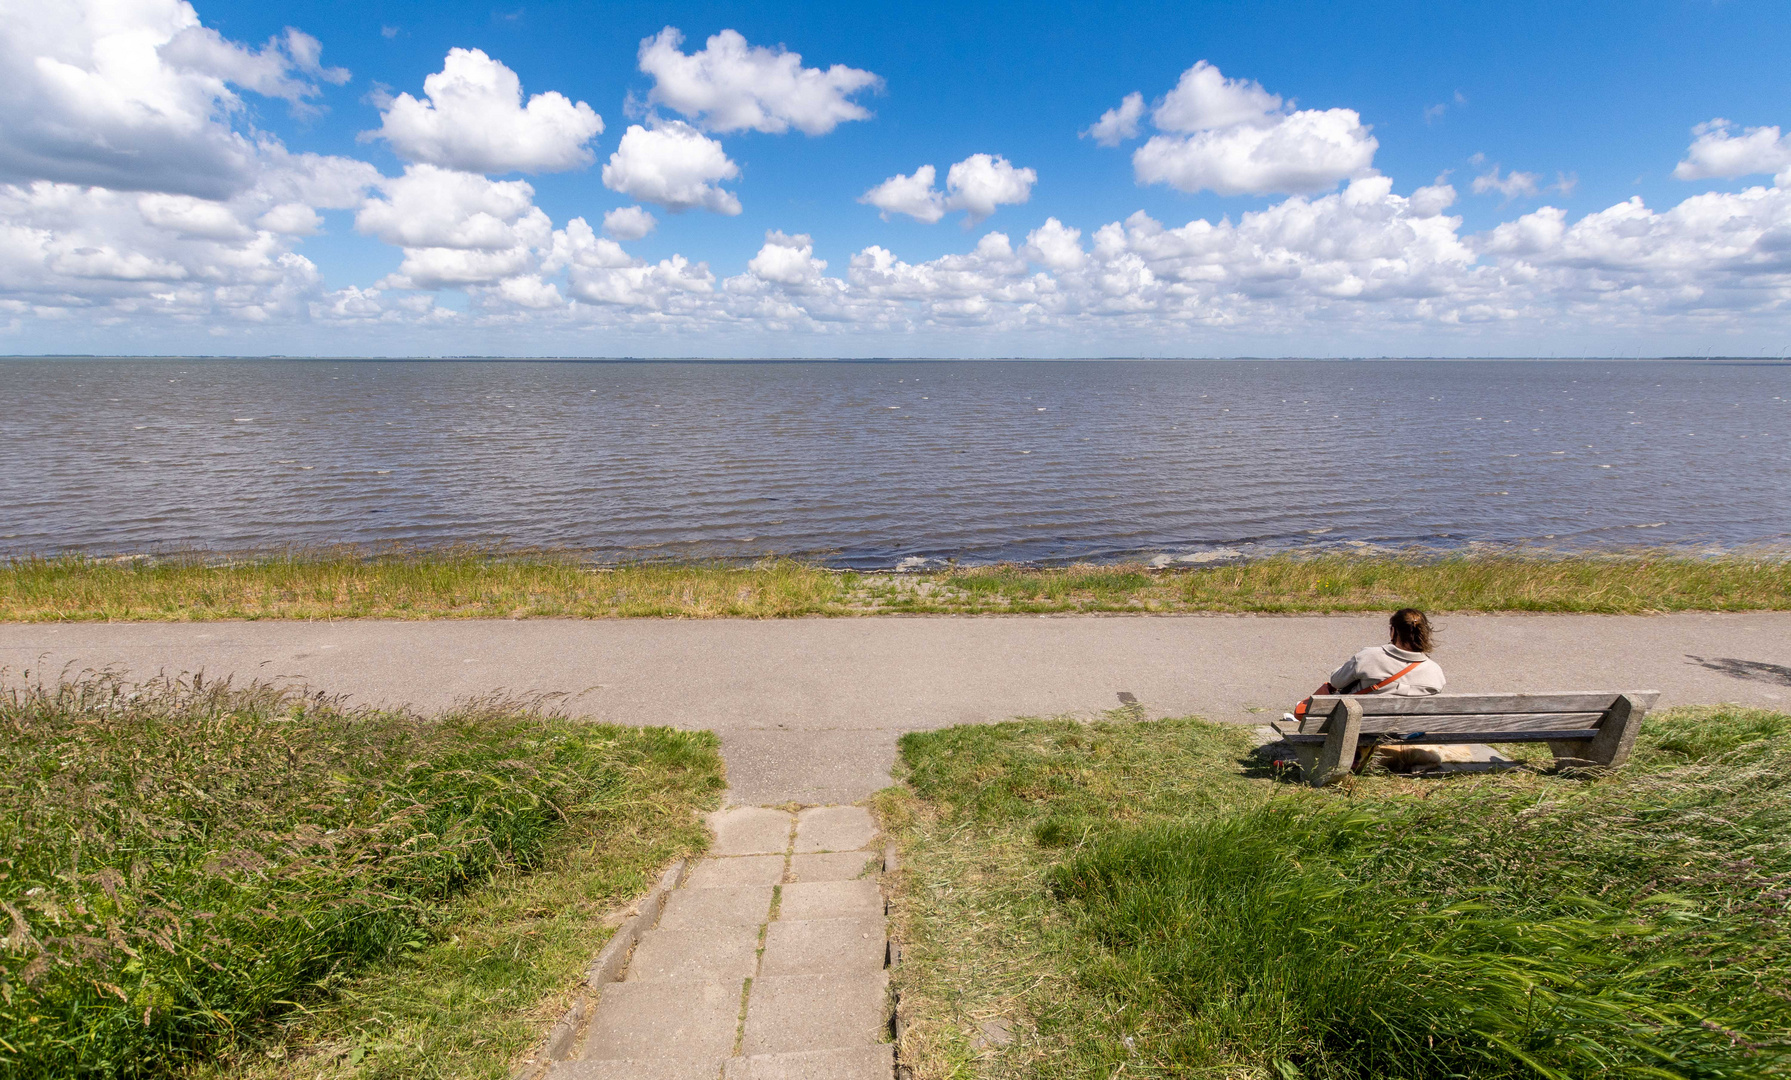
885, 464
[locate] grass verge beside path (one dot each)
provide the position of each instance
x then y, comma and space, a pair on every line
1145, 900
220, 881
451, 584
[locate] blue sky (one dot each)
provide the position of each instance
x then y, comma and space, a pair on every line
1590, 104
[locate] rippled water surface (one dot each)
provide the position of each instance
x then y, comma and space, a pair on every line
870, 464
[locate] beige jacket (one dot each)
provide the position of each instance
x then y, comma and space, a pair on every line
1375, 663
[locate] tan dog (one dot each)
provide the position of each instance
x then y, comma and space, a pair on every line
1411, 759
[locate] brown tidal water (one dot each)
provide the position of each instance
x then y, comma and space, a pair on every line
877, 464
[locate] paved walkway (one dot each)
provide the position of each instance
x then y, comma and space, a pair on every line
809, 709
766, 964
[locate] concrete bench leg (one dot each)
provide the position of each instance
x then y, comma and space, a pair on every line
1571, 755
1616, 737
1342, 731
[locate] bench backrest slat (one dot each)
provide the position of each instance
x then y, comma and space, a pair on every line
1373, 725
1444, 738
1560, 701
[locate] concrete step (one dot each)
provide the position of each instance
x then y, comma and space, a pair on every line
750, 830
790, 1013
701, 909
737, 870
646, 1069
835, 866
858, 1063
825, 947
717, 954
860, 899
692, 1020
834, 828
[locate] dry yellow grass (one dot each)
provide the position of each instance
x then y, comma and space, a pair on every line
470, 584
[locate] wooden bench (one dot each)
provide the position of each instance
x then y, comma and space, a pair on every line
1582, 728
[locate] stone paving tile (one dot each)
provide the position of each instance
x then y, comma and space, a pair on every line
750, 830
718, 953
859, 1063
685, 1021
831, 900
834, 828
824, 946
835, 866
739, 905
815, 1012
641, 1070
819, 1004
738, 870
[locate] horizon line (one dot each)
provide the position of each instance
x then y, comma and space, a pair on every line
550, 358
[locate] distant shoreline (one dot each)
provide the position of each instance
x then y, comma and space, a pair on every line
464, 583
1754, 361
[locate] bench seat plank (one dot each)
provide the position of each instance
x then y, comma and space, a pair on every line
1440, 738
1450, 704
1465, 722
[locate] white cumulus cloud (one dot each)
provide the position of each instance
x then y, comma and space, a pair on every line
912, 194
1716, 153
1301, 153
980, 183
674, 165
456, 228
1519, 185
1204, 98
430, 206
284, 68
977, 185
1512, 185
629, 222
134, 255
787, 260
1119, 123
599, 272
127, 191
472, 117
1233, 137
578, 245
1056, 246
733, 86
529, 291
293, 219
137, 96
985, 285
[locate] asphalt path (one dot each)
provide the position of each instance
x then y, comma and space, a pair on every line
809, 710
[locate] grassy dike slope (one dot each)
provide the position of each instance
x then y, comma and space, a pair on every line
1144, 899
207, 880
453, 584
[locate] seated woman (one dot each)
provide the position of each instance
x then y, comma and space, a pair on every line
1402, 666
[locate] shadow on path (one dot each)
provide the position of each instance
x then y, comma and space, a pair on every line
1753, 670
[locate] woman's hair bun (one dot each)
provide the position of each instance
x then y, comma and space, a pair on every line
1411, 630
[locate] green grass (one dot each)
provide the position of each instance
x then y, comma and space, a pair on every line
471, 584
218, 879
1143, 900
